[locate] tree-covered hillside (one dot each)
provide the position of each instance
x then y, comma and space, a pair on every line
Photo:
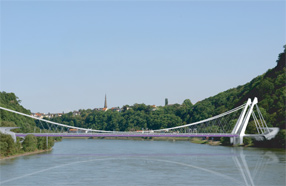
131, 118
8, 119
269, 88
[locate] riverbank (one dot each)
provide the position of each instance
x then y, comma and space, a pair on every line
25, 154
205, 141
145, 138
195, 140
192, 140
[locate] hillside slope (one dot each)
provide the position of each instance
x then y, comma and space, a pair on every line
8, 119
269, 88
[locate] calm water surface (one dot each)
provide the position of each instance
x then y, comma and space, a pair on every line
131, 162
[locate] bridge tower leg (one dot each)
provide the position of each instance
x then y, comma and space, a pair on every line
242, 122
234, 140
47, 142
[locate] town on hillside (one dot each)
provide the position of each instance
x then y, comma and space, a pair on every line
76, 113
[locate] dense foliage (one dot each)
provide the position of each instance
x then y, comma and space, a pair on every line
8, 119
269, 88
137, 117
30, 144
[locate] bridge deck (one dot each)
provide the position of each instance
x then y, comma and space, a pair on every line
129, 134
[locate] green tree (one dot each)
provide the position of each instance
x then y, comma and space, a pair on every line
30, 143
8, 146
187, 103
3, 148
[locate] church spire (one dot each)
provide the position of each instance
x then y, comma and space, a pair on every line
105, 102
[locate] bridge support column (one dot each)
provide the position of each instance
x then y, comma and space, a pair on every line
47, 142
236, 140
242, 122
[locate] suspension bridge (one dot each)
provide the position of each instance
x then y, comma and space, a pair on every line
232, 123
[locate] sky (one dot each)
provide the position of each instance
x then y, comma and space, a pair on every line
66, 55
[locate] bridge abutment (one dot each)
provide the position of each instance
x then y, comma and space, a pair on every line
6, 130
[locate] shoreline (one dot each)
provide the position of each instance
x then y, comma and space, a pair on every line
195, 140
192, 140
25, 154
144, 138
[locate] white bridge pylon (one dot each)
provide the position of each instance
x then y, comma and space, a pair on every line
262, 129
263, 132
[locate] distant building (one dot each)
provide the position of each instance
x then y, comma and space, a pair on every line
58, 115
38, 115
73, 131
49, 115
76, 113
105, 104
116, 109
154, 107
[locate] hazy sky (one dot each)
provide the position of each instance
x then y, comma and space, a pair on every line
65, 55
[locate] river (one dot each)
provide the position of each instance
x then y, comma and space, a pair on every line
135, 162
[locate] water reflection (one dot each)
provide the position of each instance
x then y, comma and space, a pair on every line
263, 160
236, 167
